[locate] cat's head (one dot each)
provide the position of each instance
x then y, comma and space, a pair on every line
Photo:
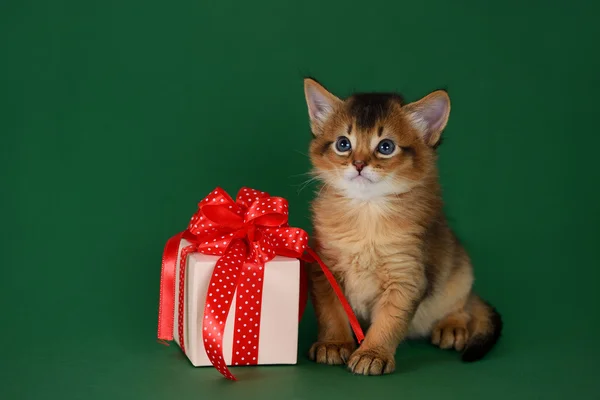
373, 145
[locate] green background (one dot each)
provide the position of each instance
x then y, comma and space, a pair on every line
117, 117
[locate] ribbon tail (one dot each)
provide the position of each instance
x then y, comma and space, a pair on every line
313, 257
166, 304
221, 289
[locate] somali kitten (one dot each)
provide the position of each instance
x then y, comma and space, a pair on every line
379, 226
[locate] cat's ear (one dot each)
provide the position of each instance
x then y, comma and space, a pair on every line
321, 104
430, 115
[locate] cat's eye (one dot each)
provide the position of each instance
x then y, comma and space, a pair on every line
343, 144
386, 147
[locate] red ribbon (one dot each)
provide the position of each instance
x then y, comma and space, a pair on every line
246, 234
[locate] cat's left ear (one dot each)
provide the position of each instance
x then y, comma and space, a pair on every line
430, 116
321, 104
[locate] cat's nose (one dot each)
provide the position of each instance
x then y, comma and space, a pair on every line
359, 165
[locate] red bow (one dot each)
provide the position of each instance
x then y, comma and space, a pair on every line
245, 234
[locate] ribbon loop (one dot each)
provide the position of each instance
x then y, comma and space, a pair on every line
247, 196
268, 211
223, 216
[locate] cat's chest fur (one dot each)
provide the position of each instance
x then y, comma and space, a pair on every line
362, 286
355, 241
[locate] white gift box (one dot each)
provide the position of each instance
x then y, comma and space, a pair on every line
278, 339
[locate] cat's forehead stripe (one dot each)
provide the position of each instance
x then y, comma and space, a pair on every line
370, 108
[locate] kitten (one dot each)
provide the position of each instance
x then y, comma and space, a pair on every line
379, 226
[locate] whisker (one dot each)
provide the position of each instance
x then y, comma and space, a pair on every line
301, 153
304, 184
325, 185
302, 174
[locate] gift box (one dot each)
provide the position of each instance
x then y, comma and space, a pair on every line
265, 323
232, 288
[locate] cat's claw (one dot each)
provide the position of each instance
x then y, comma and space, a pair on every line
371, 362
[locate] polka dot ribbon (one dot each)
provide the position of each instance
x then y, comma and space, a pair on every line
245, 234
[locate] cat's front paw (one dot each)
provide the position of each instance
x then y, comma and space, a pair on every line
332, 353
374, 361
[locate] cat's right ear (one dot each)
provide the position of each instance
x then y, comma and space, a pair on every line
321, 104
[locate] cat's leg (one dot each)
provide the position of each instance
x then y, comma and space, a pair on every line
391, 317
445, 314
335, 342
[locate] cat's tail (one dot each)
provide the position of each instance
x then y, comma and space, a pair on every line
484, 329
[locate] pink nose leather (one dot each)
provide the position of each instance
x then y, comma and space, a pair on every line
359, 165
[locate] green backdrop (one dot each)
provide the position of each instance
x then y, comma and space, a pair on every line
118, 116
